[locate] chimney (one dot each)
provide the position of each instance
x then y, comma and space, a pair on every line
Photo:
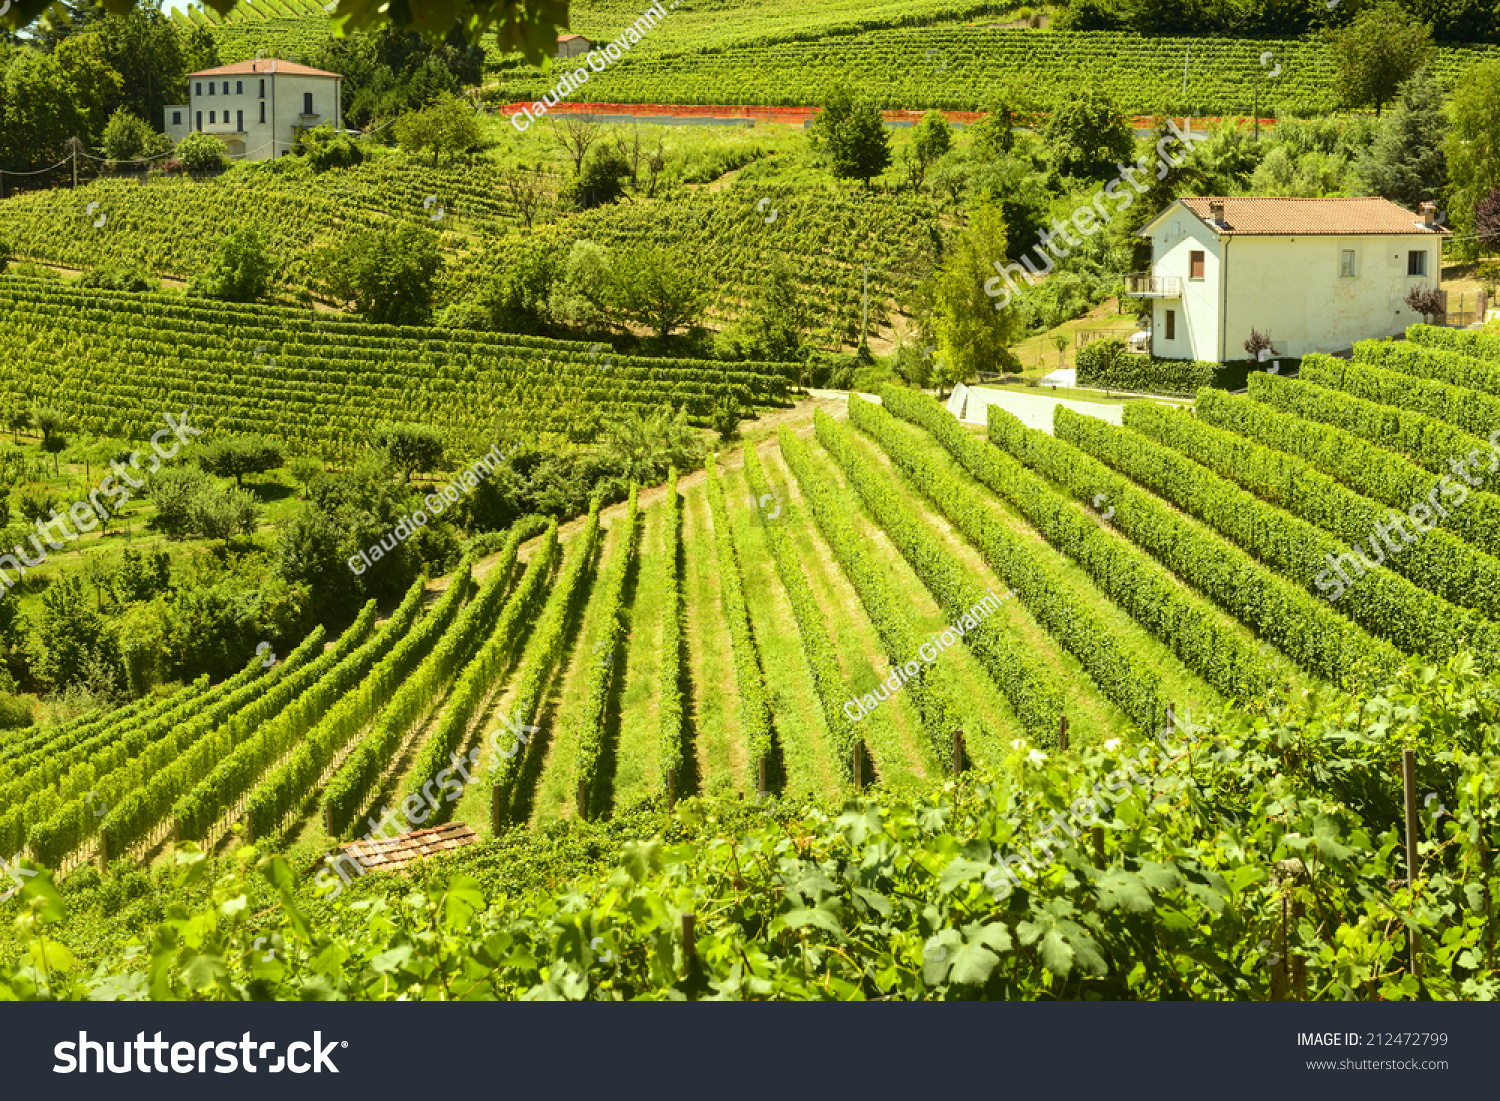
1216, 211
1429, 213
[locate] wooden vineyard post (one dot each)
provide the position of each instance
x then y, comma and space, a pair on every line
1409, 783
958, 752
671, 786
1062, 734
859, 764
495, 811
760, 770
1098, 835
583, 798
1171, 718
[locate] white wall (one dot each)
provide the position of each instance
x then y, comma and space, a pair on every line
1291, 290
1197, 331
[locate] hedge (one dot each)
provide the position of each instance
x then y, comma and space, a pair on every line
539, 660
1439, 364
601, 667
934, 691
1212, 648
1428, 442
1024, 680
1305, 628
817, 647
669, 728
1107, 365
1438, 561
755, 712
1069, 619
1468, 410
1384, 603
1356, 462
1471, 342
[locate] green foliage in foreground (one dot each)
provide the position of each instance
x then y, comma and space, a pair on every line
1233, 857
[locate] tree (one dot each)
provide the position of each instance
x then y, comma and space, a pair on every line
129, 138
859, 146
602, 180
528, 190
385, 274
1405, 163
240, 270
779, 315
931, 138
200, 153
1377, 53
1473, 147
1087, 135
958, 313
448, 126
48, 421
72, 637
656, 289
236, 456
55, 445
222, 516
409, 447
576, 136
1487, 219
1430, 302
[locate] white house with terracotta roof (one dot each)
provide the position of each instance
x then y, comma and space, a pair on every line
571, 45
258, 107
1314, 275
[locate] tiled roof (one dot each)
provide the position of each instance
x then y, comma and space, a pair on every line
569, 37
1284, 217
264, 66
386, 854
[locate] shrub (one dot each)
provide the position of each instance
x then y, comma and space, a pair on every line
199, 153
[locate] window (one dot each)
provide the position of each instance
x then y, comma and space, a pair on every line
200, 122
1346, 264
1172, 322
239, 122
226, 87
262, 91
307, 103
1416, 262
211, 118
1195, 264
198, 88
239, 87
262, 112
210, 87
176, 118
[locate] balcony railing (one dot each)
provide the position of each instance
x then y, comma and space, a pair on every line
1143, 285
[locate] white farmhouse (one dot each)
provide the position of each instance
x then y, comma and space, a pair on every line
258, 107
572, 45
1314, 275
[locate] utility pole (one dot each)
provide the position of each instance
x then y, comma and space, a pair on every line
864, 309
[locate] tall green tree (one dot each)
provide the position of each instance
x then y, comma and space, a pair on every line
1380, 51
1087, 134
1473, 147
957, 313
240, 270
385, 274
859, 146
780, 315
656, 289
930, 139
1406, 163
447, 127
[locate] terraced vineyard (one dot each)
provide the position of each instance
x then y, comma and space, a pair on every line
952, 66
115, 362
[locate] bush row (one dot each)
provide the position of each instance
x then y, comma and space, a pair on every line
669, 729
755, 712
174, 764
1103, 653
355, 781
933, 689
285, 788
1471, 342
817, 647
1440, 364
1384, 603
494, 642
1427, 442
1468, 410
1438, 561
1302, 626
1131, 578
1106, 364
601, 663
539, 660
1356, 462
258, 741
